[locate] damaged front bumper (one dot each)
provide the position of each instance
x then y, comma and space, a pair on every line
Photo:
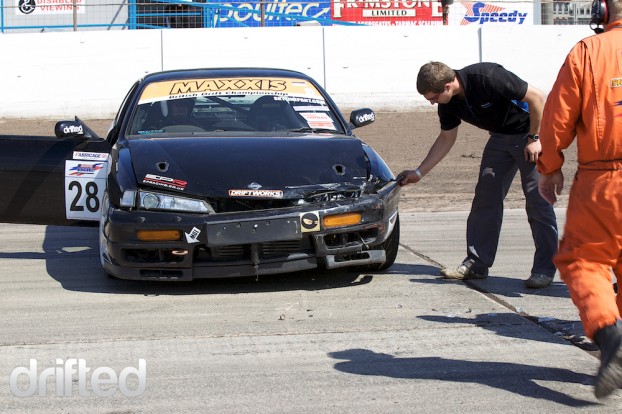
244, 243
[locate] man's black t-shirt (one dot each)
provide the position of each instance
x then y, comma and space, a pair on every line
491, 92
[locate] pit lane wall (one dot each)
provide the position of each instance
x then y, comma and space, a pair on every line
59, 75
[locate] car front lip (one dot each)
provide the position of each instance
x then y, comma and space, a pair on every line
242, 243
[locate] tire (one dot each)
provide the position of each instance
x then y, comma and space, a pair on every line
391, 245
101, 236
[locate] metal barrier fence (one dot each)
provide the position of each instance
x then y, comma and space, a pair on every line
19, 16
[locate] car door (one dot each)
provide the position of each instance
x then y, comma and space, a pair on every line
61, 179
50, 180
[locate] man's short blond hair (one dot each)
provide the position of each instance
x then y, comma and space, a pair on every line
433, 77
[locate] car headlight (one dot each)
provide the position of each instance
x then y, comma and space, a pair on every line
159, 201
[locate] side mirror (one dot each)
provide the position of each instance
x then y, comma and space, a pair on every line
68, 129
362, 117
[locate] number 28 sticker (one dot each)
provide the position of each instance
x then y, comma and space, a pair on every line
85, 182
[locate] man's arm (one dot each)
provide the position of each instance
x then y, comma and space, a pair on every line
535, 98
438, 151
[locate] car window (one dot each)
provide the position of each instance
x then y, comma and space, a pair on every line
172, 107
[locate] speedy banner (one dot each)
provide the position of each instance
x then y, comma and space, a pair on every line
506, 13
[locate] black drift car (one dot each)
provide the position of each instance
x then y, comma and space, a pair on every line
210, 173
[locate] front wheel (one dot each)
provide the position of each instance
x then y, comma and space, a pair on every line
390, 246
103, 251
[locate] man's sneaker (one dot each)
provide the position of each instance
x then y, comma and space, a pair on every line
609, 378
462, 273
537, 280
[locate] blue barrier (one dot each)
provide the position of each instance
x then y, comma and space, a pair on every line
208, 15
40, 15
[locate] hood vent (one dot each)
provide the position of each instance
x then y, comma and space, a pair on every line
339, 169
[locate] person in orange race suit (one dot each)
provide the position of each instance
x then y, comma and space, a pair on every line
586, 102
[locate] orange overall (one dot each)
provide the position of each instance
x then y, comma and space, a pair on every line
586, 102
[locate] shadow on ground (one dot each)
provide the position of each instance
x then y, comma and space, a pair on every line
71, 257
519, 379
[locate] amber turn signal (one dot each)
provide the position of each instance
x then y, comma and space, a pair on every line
340, 220
158, 235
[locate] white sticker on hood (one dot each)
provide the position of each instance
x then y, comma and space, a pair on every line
93, 156
256, 193
167, 182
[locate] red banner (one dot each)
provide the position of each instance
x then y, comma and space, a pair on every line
388, 13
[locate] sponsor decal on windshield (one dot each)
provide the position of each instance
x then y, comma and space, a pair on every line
225, 86
318, 120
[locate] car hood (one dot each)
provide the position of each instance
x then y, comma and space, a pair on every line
257, 167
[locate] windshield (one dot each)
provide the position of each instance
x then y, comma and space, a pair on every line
233, 104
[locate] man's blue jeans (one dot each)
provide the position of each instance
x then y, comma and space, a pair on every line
502, 157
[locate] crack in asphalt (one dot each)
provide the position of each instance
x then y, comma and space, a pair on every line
554, 326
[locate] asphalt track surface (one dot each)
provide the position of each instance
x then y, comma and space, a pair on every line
400, 341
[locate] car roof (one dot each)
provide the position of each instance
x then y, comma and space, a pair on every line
224, 72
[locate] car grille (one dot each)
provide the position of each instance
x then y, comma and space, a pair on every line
228, 205
239, 253
246, 252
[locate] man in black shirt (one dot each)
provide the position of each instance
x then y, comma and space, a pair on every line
494, 99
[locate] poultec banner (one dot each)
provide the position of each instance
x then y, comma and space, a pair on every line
277, 12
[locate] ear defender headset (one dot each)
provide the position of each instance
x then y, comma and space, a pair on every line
600, 16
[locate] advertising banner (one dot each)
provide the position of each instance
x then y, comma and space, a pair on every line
375, 12
406, 12
505, 13
387, 13
275, 13
48, 7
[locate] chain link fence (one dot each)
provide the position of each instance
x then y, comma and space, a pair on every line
19, 16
